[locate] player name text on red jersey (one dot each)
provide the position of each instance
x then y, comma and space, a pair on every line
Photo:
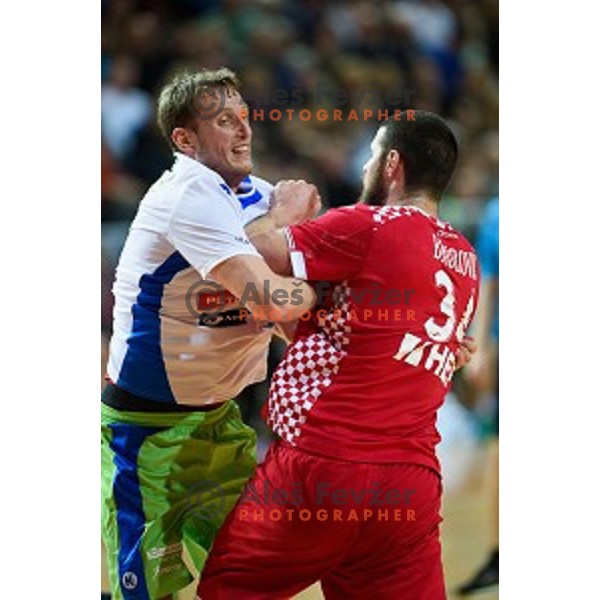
461, 261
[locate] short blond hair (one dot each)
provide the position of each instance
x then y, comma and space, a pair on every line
176, 103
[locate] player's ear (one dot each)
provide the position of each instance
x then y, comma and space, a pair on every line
184, 140
393, 167
393, 162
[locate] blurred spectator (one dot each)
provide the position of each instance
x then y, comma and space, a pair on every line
125, 109
150, 48
107, 173
150, 155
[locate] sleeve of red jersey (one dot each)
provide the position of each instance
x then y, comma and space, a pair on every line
331, 248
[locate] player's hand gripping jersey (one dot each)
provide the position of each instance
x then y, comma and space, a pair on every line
176, 339
364, 377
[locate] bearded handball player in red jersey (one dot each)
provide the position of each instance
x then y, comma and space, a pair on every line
350, 494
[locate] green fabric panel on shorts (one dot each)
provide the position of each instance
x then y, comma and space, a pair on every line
191, 475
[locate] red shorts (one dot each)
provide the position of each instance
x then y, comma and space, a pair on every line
363, 530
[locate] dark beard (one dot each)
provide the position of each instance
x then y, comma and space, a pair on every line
374, 194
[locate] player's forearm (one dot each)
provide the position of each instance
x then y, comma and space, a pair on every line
267, 295
261, 225
271, 243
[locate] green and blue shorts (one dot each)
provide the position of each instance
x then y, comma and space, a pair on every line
168, 482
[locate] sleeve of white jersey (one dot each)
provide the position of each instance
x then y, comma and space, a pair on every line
206, 228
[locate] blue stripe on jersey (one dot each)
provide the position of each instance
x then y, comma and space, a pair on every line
126, 443
250, 199
143, 371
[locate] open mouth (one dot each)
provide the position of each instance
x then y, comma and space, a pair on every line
242, 149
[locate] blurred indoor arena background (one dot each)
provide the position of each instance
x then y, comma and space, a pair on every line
430, 54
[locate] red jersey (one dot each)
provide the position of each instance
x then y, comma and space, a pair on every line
365, 375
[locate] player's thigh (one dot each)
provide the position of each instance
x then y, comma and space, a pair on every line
397, 554
124, 510
273, 544
166, 491
212, 468
418, 576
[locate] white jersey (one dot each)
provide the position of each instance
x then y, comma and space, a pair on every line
168, 344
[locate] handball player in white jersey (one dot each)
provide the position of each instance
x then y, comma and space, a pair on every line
175, 452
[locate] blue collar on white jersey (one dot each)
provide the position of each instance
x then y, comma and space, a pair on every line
247, 194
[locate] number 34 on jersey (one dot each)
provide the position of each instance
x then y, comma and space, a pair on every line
432, 350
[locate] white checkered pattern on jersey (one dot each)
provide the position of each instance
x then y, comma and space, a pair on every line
384, 214
307, 368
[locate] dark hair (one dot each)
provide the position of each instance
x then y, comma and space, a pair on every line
177, 100
428, 148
